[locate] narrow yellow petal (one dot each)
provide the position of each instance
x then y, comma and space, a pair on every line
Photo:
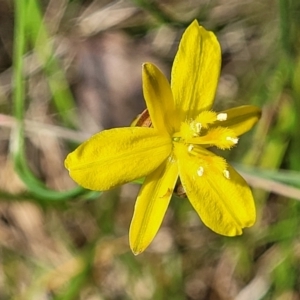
240, 119
195, 72
116, 156
222, 198
159, 99
151, 205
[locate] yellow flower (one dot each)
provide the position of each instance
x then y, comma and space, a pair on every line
183, 128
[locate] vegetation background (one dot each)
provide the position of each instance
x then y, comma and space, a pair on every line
68, 69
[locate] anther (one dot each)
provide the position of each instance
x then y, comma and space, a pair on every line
190, 148
222, 117
234, 140
200, 171
198, 127
171, 159
226, 174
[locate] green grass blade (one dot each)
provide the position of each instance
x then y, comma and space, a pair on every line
35, 186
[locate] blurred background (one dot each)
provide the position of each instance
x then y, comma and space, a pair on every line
70, 68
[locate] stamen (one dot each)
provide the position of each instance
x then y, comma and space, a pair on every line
234, 140
226, 174
200, 171
190, 148
221, 137
198, 127
222, 117
171, 159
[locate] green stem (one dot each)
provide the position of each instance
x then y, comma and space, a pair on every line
35, 186
19, 49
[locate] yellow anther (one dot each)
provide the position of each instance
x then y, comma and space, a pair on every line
222, 117
200, 171
226, 174
190, 148
231, 139
198, 127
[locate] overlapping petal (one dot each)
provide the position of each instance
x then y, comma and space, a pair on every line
117, 156
159, 99
224, 204
151, 205
195, 72
240, 119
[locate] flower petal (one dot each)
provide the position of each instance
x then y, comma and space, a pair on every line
159, 99
195, 71
240, 119
222, 198
151, 205
116, 156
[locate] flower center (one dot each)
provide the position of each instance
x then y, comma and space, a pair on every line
205, 131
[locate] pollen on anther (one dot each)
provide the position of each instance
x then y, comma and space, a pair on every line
171, 159
198, 127
226, 174
222, 117
190, 148
234, 140
200, 171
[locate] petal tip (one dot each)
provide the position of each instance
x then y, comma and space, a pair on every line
239, 230
67, 162
234, 231
136, 252
135, 247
